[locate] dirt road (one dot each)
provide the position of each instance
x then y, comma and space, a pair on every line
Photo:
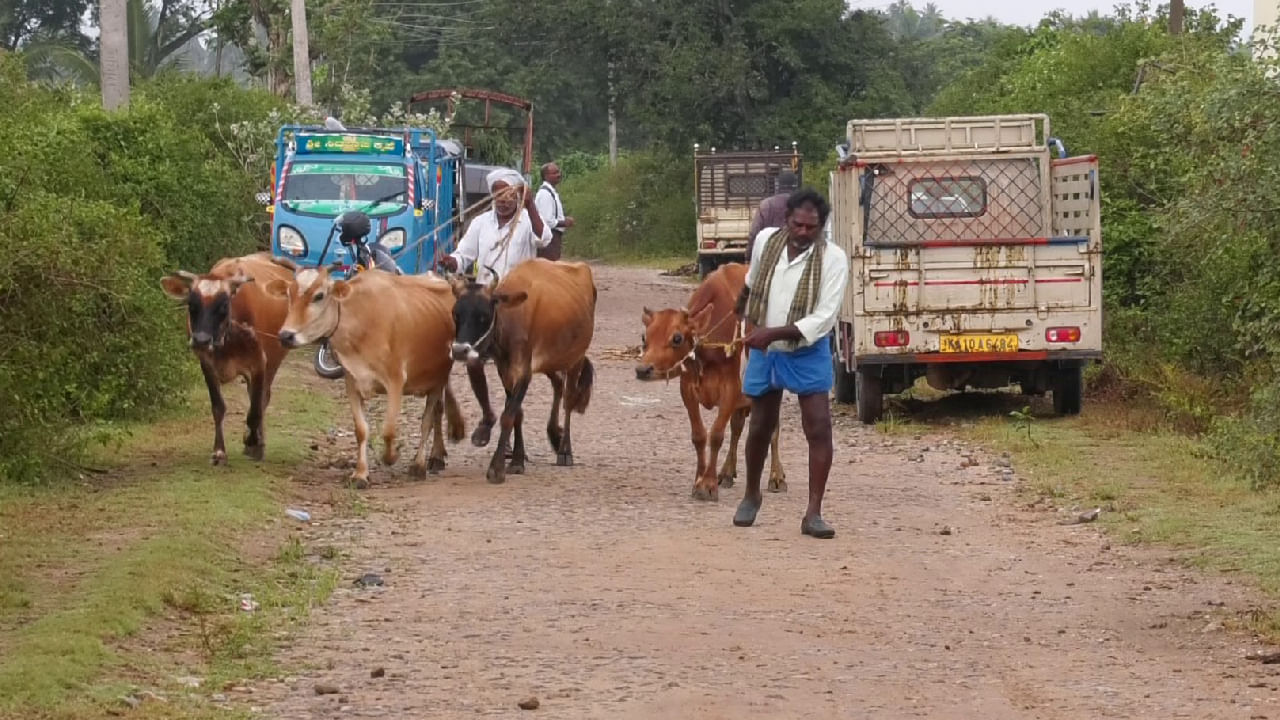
606, 592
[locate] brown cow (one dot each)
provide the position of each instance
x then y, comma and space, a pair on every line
231, 327
391, 333
697, 345
540, 318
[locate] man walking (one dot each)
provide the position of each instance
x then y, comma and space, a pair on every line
496, 241
552, 211
772, 212
795, 285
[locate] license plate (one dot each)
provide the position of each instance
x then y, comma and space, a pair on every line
978, 343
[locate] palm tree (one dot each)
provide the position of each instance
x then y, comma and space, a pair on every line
149, 47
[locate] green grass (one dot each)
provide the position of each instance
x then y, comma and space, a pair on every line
97, 576
1153, 484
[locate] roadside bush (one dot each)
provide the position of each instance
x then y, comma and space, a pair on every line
86, 337
96, 207
643, 208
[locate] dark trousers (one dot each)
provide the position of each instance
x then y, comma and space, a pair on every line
552, 250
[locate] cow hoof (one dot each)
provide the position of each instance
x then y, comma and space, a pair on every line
564, 459
255, 452
703, 493
554, 436
417, 472
777, 486
219, 458
359, 483
435, 465
726, 481
515, 468
480, 437
495, 476
389, 456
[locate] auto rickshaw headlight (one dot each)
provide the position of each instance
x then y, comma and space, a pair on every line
392, 240
292, 242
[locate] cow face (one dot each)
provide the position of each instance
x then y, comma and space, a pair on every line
208, 299
475, 315
667, 340
315, 300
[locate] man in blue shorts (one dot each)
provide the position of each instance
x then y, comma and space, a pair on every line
795, 285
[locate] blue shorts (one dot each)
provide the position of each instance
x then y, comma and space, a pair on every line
804, 371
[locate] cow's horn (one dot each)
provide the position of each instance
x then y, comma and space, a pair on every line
285, 262
188, 276
494, 273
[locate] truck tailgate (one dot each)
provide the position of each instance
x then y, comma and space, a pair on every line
1011, 275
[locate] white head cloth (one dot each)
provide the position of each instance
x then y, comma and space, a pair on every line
506, 175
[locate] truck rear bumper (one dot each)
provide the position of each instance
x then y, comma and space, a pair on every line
1021, 356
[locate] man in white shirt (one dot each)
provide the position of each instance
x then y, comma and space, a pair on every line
552, 210
496, 241
795, 285
505, 236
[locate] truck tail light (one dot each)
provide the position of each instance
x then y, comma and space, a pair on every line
708, 244
1062, 334
892, 338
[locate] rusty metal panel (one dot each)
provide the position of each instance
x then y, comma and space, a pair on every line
952, 136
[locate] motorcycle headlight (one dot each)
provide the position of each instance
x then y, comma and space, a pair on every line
292, 242
392, 240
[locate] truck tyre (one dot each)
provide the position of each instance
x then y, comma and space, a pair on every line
1068, 389
870, 398
326, 363
846, 388
706, 266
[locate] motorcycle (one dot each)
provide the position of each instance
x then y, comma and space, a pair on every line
353, 228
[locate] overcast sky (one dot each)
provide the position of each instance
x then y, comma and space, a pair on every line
1029, 12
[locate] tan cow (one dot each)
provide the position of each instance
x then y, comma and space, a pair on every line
697, 346
392, 334
540, 318
231, 327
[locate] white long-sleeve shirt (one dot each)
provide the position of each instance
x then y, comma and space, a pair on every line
549, 206
483, 242
786, 278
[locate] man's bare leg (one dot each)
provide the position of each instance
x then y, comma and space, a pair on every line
764, 417
815, 418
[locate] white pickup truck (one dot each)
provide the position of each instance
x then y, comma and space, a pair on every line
975, 259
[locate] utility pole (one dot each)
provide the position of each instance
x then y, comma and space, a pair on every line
1177, 9
114, 59
301, 54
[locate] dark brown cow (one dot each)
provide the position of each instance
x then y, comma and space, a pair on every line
391, 333
232, 325
540, 318
697, 345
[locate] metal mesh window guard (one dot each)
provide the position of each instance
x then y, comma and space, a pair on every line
911, 203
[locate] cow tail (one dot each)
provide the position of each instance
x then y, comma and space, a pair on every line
586, 378
457, 423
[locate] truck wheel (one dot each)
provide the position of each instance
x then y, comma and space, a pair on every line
870, 398
1068, 389
326, 363
846, 387
706, 266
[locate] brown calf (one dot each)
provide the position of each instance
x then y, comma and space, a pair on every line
391, 333
698, 346
232, 325
540, 318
